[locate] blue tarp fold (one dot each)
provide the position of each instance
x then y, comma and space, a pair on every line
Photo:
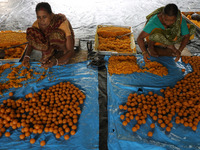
87, 134
120, 86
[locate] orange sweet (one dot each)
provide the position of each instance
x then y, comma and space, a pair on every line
7, 134
22, 136
32, 141
150, 134
42, 143
11, 94
66, 137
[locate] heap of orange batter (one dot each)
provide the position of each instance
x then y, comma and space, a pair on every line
123, 65
108, 41
11, 38
128, 65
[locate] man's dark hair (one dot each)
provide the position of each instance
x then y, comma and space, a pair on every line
171, 10
45, 6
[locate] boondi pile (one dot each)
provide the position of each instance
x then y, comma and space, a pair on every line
17, 75
11, 38
128, 65
112, 31
123, 65
56, 110
108, 41
155, 68
180, 104
14, 52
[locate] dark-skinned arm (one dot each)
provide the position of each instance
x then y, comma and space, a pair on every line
68, 49
26, 58
184, 42
140, 41
68, 52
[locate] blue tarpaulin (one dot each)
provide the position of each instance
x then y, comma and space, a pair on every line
120, 86
86, 79
118, 89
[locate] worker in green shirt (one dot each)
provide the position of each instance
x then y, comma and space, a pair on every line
164, 28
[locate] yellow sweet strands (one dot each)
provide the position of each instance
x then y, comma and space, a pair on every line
14, 52
10, 38
155, 68
109, 42
128, 65
112, 31
123, 65
118, 45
